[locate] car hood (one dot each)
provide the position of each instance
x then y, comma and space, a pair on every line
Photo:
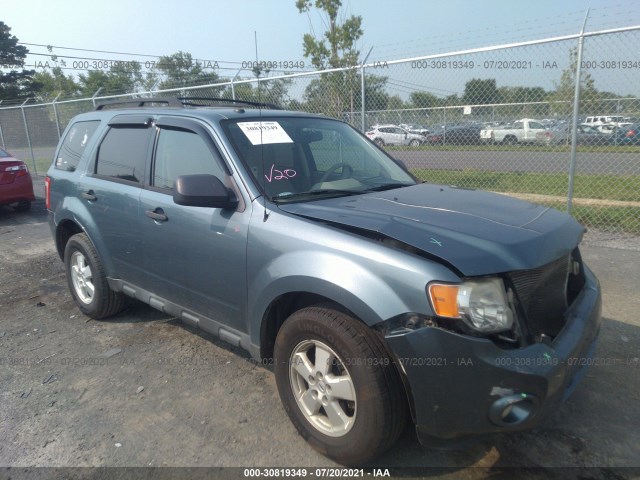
479, 233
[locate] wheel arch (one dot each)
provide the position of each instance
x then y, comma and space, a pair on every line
285, 304
64, 231
68, 225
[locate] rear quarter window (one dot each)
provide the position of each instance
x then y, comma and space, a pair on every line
74, 144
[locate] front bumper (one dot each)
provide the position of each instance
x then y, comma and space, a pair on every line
461, 386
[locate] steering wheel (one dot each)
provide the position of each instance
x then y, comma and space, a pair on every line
347, 171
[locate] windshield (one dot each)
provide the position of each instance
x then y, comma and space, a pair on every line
299, 159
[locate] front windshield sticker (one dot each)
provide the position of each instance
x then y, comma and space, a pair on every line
275, 174
262, 133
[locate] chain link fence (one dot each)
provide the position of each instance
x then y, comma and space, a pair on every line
555, 121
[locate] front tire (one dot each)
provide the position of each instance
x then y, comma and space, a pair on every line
87, 280
338, 385
414, 143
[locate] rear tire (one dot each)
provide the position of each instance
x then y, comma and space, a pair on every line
379, 142
338, 385
87, 280
510, 140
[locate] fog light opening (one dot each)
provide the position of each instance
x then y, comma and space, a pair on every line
513, 410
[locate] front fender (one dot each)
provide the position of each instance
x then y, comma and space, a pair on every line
343, 281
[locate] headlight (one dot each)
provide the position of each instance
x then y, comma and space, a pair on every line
481, 304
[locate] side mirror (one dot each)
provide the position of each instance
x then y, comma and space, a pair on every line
203, 191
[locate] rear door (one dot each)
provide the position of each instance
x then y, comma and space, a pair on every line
193, 256
111, 189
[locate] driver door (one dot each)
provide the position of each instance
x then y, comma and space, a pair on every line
193, 256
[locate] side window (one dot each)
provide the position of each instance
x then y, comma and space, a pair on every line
123, 152
182, 152
536, 126
74, 143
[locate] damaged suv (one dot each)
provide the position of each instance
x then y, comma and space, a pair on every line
377, 298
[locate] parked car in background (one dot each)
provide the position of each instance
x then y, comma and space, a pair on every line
596, 120
464, 134
413, 128
607, 129
16, 186
626, 136
561, 135
522, 131
393, 135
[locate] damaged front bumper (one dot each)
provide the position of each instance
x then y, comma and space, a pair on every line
461, 386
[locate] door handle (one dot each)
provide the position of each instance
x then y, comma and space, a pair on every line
89, 195
157, 215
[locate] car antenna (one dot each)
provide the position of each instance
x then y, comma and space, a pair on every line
264, 185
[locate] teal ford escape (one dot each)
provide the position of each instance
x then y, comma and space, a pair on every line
378, 298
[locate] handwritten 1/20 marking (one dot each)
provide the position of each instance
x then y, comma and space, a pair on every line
275, 174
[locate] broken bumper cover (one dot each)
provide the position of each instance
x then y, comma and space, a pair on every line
461, 386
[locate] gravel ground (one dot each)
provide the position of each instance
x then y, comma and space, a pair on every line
144, 390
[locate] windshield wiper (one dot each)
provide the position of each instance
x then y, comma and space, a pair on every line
388, 186
310, 193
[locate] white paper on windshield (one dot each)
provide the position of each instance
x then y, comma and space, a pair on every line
262, 133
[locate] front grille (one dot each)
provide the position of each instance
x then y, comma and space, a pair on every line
542, 294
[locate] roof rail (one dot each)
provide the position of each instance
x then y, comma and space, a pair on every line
188, 101
185, 102
141, 102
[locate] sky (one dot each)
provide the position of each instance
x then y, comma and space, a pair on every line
224, 31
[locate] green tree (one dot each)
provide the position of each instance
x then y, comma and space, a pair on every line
270, 91
335, 49
562, 97
480, 92
15, 81
125, 77
339, 48
525, 96
54, 83
424, 100
181, 70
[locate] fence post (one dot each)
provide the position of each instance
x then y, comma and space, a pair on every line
26, 129
362, 95
444, 126
55, 114
93, 97
233, 89
576, 112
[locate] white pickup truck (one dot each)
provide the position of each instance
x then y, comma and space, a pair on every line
522, 131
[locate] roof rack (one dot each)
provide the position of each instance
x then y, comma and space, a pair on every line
141, 102
188, 101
